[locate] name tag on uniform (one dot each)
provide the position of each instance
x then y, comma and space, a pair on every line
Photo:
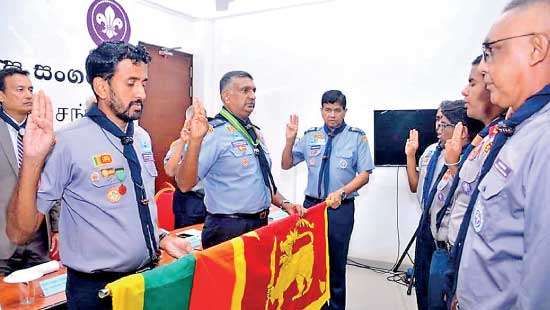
314, 150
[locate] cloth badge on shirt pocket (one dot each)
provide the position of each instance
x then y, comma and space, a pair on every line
503, 168
120, 174
487, 147
314, 150
102, 159
240, 145
343, 164
466, 187
113, 195
109, 172
148, 156
245, 162
230, 128
94, 177
122, 189
478, 218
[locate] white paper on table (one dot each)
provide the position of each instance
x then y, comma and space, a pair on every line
32, 273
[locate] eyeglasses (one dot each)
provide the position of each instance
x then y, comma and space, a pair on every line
443, 126
487, 50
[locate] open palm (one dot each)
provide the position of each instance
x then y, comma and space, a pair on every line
292, 127
39, 136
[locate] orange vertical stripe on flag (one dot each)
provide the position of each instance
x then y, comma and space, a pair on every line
214, 279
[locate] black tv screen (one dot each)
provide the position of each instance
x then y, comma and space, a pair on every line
391, 130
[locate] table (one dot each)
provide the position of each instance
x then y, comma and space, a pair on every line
9, 293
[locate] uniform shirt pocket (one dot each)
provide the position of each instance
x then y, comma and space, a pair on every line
344, 159
151, 168
103, 177
486, 216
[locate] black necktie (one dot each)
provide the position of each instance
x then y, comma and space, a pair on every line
20, 132
135, 170
324, 172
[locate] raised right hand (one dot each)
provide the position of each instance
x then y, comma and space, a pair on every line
198, 127
39, 137
292, 128
453, 146
185, 131
412, 143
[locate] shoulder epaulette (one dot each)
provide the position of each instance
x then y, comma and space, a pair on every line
358, 130
216, 122
312, 129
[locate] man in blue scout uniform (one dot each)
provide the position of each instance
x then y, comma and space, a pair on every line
103, 170
16, 92
431, 171
504, 261
230, 157
339, 163
188, 207
466, 164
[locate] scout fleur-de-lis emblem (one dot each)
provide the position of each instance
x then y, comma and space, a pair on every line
109, 21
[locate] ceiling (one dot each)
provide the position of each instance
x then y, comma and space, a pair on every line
208, 9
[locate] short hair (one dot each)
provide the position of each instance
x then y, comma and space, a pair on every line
226, 78
4, 73
333, 96
102, 61
515, 4
477, 61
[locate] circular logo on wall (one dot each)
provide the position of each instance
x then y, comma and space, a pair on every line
107, 21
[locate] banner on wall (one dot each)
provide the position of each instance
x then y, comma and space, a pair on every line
55, 55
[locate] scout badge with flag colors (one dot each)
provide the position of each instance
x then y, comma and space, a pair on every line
166, 287
280, 266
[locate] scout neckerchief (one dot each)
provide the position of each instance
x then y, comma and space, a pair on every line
20, 132
430, 175
126, 138
324, 172
246, 129
505, 129
448, 202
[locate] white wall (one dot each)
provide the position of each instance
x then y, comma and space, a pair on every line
382, 55
54, 33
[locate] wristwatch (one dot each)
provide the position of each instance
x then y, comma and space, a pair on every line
343, 195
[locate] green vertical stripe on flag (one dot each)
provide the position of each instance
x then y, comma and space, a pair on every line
169, 286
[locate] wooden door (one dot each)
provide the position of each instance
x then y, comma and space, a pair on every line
169, 91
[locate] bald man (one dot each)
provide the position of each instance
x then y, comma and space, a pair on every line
504, 262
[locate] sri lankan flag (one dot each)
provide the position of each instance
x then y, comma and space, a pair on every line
281, 266
166, 287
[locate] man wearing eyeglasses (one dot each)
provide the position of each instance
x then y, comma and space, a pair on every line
504, 263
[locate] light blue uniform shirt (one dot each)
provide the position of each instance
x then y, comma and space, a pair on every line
100, 228
230, 172
350, 155
505, 258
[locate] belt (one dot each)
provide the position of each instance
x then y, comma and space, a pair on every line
108, 275
443, 245
317, 200
250, 216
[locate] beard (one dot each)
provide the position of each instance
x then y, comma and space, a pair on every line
124, 113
